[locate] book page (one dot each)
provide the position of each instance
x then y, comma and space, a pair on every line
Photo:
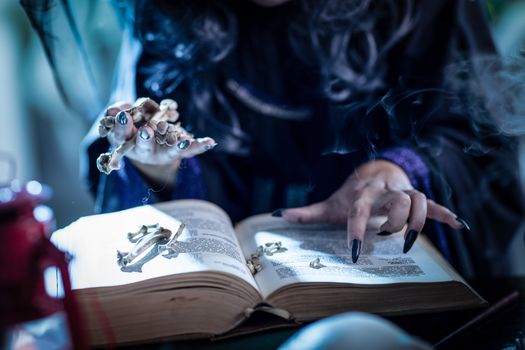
207, 243
381, 260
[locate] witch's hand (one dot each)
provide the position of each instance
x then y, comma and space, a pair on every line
154, 142
377, 188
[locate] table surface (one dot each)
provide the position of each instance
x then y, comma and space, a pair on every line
505, 330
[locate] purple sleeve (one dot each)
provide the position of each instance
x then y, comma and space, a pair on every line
420, 177
413, 165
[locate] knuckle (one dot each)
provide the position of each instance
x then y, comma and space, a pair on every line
419, 196
404, 201
356, 209
357, 193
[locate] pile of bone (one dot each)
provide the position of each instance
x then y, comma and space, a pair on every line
146, 237
162, 118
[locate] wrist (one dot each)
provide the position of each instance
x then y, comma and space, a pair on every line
413, 164
385, 170
380, 165
158, 175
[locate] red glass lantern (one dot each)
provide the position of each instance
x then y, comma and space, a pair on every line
25, 253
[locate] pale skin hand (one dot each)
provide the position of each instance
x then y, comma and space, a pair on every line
377, 188
157, 162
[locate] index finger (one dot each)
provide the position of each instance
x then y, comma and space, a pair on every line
358, 217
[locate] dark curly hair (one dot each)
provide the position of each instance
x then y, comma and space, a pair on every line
347, 40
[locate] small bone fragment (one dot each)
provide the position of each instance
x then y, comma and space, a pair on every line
167, 132
272, 247
142, 231
105, 125
107, 162
162, 127
254, 265
173, 239
167, 112
254, 262
143, 110
316, 264
125, 258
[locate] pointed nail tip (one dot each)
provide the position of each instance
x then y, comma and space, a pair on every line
356, 250
407, 246
463, 222
278, 213
409, 240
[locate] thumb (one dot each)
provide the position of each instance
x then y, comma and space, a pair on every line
315, 213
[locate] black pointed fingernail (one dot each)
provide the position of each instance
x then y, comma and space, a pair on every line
356, 250
144, 135
463, 222
384, 233
183, 144
278, 213
121, 118
409, 240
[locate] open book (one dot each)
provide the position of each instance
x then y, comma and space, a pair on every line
203, 287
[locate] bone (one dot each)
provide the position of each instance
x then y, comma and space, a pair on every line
126, 258
167, 112
107, 162
168, 138
316, 264
143, 110
172, 138
105, 125
272, 248
168, 134
162, 127
133, 236
162, 119
254, 264
173, 240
